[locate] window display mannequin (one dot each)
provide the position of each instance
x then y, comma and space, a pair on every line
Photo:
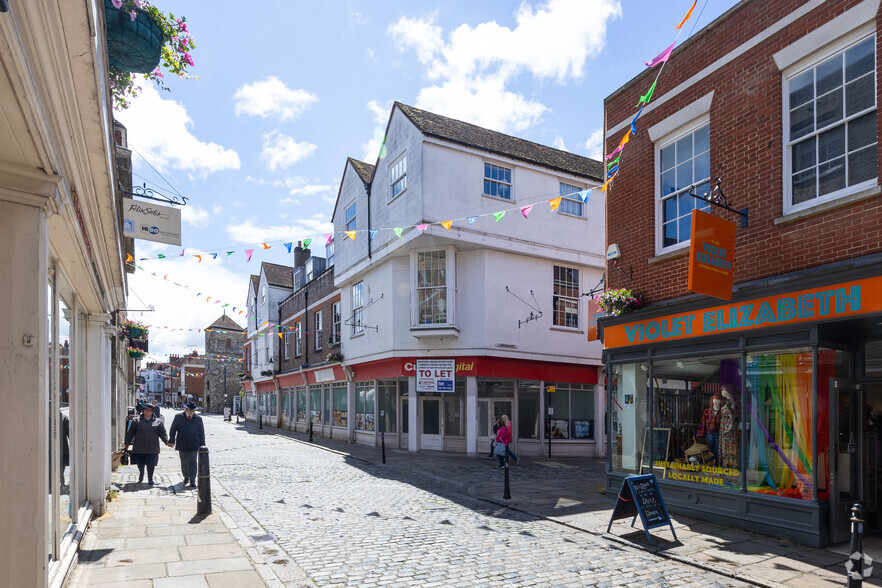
710, 424
728, 443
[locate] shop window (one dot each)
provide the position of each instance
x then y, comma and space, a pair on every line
696, 422
572, 411
873, 359
285, 400
628, 415
683, 162
454, 410
830, 132
301, 405
364, 406
340, 406
528, 410
565, 302
387, 405
315, 405
779, 392
326, 407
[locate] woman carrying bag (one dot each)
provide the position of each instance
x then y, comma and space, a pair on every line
144, 435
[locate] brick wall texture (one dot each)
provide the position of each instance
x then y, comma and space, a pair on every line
746, 138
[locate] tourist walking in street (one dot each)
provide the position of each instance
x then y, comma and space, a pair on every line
503, 439
187, 436
144, 435
157, 412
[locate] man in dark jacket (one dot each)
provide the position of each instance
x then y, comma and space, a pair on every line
156, 409
187, 435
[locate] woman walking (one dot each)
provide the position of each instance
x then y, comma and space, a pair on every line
144, 436
503, 439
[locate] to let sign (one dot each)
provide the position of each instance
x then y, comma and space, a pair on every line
711, 255
435, 375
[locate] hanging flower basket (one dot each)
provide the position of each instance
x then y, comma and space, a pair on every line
335, 357
618, 302
135, 352
134, 45
134, 330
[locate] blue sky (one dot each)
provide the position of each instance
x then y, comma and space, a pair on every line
287, 90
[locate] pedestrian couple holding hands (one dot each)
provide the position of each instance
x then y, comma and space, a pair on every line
186, 435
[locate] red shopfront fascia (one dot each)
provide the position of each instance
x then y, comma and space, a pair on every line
485, 367
321, 375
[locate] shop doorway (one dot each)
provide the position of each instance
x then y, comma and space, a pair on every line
847, 449
490, 409
430, 411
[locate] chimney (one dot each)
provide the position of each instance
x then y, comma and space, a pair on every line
300, 255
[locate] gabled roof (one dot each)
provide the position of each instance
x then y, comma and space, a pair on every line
365, 170
255, 282
225, 322
278, 275
365, 173
470, 135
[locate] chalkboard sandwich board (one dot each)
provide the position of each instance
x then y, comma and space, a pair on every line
640, 495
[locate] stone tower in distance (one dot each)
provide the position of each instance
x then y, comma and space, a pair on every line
224, 345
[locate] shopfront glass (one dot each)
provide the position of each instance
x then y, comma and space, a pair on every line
628, 415
66, 375
326, 407
301, 404
571, 414
454, 410
528, 409
387, 391
340, 406
315, 405
286, 407
365, 396
696, 416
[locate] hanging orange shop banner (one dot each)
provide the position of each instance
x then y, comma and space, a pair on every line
711, 255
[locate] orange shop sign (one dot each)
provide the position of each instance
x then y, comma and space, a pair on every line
829, 302
711, 255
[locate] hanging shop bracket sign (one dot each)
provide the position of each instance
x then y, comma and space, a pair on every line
151, 222
847, 299
711, 255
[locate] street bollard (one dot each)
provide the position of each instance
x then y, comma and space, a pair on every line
310, 432
854, 566
203, 489
260, 421
383, 444
506, 494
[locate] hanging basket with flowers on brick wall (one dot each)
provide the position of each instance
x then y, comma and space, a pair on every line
618, 302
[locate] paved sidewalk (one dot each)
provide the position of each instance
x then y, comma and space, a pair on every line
570, 491
151, 537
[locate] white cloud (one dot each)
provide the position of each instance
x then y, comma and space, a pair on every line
160, 130
198, 217
380, 111
558, 143
370, 54
370, 151
472, 68
281, 151
217, 209
271, 98
594, 144
250, 232
179, 309
299, 186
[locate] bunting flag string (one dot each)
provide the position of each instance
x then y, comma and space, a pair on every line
555, 202
306, 243
398, 231
249, 253
288, 246
350, 234
498, 215
446, 224
662, 58
372, 233
422, 228
525, 210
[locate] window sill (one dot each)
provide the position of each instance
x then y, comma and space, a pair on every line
825, 206
566, 329
356, 335
570, 215
681, 252
428, 331
497, 198
396, 197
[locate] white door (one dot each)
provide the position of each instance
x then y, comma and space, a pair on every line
430, 424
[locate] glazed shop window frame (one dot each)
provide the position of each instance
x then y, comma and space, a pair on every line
770, 396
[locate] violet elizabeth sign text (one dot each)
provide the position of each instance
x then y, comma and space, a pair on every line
711, 255
823, 303
435, 375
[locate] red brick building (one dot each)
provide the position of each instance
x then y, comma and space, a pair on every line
782, 383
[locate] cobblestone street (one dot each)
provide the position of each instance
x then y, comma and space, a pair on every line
339, 520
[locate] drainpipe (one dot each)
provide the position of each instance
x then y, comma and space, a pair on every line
367, 188
306, 321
